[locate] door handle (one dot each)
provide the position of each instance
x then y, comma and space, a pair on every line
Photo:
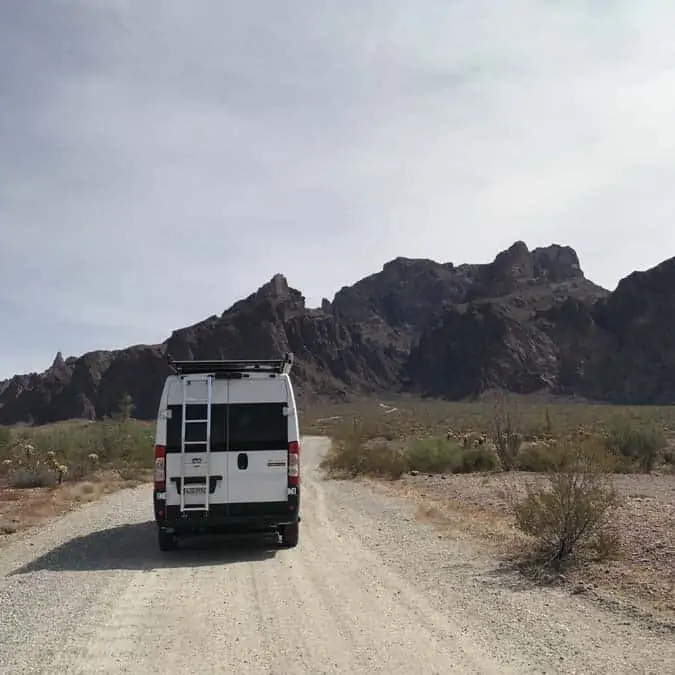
242, 461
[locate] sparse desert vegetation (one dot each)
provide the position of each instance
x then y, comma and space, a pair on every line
46, 470
583, 493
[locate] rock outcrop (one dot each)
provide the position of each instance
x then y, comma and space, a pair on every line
529, 321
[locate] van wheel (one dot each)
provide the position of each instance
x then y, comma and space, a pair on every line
289, 535
166, 540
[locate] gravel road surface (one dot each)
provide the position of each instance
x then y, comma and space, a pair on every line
368, 590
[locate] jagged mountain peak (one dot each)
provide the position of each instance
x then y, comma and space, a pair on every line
525, 321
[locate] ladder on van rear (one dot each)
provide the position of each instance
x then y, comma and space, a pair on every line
186, 487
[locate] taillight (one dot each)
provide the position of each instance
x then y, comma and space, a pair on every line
160, 467
294, 463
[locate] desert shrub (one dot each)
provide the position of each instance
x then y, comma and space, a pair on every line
356, 450
506, 433
570, 514
639, 445
31, 477
439, 455
346, 459
478, 459
5, 440
539, 458
433, 455
669, 457
347, 453
386, 460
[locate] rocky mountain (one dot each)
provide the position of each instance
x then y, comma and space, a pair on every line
529, 322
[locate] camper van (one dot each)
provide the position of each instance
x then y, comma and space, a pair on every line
227, 451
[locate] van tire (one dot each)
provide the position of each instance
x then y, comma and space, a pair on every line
289, 535
166, 541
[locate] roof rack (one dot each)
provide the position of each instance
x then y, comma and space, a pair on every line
279, 366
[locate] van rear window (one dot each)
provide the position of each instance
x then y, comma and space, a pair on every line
245, 426
257, 426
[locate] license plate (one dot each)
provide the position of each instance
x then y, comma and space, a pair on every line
198, 490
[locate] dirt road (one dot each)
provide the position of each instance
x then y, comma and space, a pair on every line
368, 590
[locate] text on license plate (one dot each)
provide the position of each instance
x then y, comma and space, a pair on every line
195, 490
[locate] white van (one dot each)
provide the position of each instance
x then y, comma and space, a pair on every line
227, 450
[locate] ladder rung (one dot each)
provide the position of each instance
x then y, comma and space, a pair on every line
202, 401
198, 507
195, 443
195, 421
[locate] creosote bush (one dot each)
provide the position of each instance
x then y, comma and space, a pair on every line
569, 516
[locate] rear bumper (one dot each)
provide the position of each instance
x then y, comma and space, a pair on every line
254, 517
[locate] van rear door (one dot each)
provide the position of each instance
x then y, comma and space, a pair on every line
193, 466
257, 456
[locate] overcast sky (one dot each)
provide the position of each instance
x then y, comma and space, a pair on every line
160, 160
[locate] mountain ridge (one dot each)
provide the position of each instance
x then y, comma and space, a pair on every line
529, 321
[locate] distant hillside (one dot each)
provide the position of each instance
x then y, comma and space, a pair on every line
528, 322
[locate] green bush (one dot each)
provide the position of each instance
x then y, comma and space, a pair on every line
538, 458
478, 459
639, 445
433, 455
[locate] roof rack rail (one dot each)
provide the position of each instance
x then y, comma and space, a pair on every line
279, 366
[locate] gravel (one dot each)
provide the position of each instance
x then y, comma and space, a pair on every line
368, 590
